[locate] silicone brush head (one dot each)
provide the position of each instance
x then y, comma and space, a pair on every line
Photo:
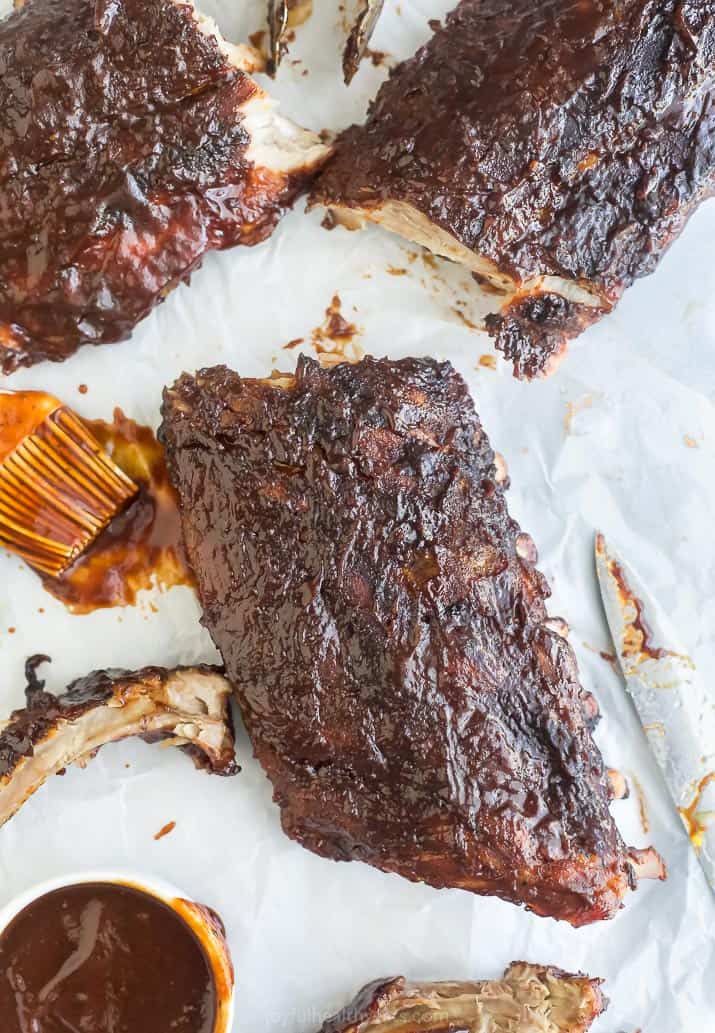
58, 488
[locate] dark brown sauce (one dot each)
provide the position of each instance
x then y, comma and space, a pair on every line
142, 546
105, 958
335, 338
328, 222
379, 58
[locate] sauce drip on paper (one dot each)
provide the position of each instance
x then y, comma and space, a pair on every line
142, 546
334, 341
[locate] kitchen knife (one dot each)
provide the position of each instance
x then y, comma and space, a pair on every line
676, 710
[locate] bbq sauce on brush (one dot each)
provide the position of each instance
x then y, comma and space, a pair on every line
142, 546
105, 958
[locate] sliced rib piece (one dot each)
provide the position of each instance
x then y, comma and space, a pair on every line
186, 706
528, 999
133, 142
385, 629
553, 148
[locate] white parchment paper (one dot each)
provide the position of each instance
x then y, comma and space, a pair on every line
621, 439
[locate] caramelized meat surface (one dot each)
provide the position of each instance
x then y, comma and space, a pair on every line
528, 999
554, 146
187, 707
386, 632
132, 143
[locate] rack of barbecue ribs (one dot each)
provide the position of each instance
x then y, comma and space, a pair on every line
555, 148
133, 142
385, 629
528, 999
187, 707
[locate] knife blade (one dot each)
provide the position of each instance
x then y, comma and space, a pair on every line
360, 35
675, 708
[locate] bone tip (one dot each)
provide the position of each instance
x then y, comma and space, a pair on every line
526, 548
618, 785
647, 864
500, 467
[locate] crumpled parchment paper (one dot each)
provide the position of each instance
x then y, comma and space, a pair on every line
621, 439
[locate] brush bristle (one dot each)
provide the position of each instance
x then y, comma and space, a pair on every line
58, 490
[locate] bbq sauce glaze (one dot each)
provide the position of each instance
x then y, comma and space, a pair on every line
142, 546
103, 958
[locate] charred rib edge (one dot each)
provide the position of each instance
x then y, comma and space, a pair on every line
407, 222
190, 708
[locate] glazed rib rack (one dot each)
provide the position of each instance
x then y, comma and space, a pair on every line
385, 628
554, 148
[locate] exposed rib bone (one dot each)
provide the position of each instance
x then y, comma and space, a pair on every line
529, 999
188, 705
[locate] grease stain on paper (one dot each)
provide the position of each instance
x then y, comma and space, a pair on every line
642, 803
574, 408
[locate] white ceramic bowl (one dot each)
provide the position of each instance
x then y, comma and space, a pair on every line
197, 916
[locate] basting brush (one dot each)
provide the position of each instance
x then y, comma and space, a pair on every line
58, 487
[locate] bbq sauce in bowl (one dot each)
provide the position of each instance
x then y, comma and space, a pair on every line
104, 958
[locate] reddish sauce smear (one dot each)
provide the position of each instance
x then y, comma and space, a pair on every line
106, 958
638, 640
142, 546
165, 830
